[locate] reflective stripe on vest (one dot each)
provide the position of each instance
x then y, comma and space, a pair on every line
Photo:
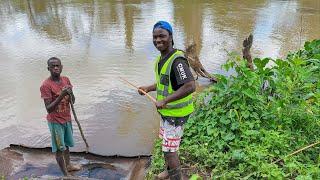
180, 105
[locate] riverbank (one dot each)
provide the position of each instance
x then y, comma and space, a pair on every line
20, 162
253, 124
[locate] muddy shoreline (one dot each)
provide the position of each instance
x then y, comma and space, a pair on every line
20, 162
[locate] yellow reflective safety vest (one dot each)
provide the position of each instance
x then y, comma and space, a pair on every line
179, 108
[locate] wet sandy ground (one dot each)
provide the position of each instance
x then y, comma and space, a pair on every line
19, 162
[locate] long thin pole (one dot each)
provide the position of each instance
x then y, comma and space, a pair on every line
300, 33
299, 150
76, 119
145, 93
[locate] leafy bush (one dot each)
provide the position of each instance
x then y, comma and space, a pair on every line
247, 121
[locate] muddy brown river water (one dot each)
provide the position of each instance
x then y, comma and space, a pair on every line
98, 41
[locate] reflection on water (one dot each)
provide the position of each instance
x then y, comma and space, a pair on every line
98, 41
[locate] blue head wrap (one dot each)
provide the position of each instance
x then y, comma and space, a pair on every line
163, 25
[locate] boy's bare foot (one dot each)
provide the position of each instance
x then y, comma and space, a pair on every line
73, 167
163, 175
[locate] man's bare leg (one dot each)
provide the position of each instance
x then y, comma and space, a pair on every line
173, 162
164, 174
61, 162
70, 167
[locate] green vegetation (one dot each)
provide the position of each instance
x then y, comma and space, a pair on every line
244, 123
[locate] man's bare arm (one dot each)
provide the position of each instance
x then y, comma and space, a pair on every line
147, 89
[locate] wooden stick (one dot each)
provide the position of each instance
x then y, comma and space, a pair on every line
145, 93
296, 152
247, 44
300, 33
76, 119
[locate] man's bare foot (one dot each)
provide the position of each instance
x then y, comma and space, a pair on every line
73, 167
163, 175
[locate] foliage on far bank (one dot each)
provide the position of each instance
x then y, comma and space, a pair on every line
246, 122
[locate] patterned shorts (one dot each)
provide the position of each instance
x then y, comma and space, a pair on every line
170, 134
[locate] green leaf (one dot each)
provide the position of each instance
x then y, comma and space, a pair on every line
260, 64
249, 93
251, 132
230, 136
235, 125
195, 177
237, 154
224, 120
210, 131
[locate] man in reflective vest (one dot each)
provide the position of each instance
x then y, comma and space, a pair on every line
174, 86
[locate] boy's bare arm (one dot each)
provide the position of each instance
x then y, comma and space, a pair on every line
51, 105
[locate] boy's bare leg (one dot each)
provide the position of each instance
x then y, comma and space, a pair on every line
61, 162
70, 167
